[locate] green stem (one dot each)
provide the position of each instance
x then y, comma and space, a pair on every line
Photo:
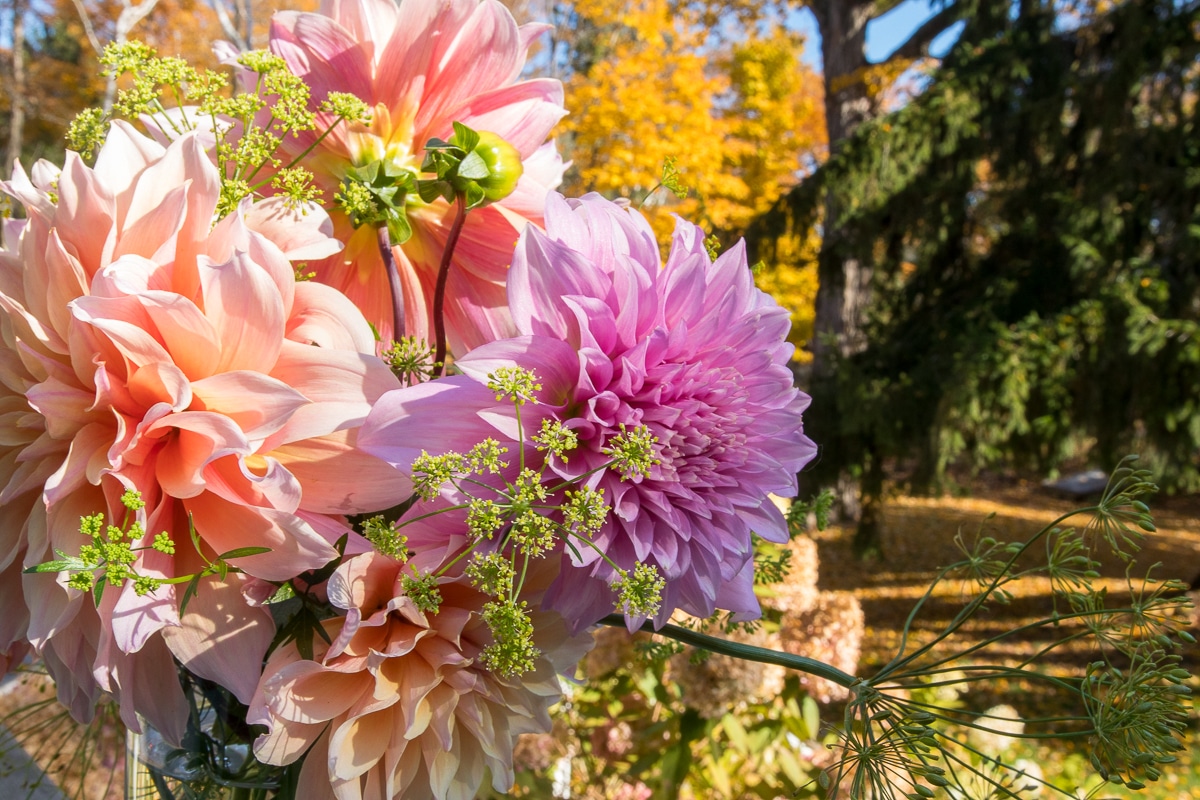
439, 292
746, 652
393, 276
971, 608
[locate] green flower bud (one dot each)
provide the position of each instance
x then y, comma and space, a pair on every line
503, 163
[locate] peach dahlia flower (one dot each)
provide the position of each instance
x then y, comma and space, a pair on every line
399, 705
147, 348
421, 65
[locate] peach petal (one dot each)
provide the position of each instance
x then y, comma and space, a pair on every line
258, 404
199, 439
160, 383
126, 153
301, 233
357, 744
294, 546
321, 464
323, 316
221, 638
308, 692
246, 310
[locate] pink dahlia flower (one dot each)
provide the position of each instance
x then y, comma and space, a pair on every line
400, 705
690, 349
422, 65
147, 348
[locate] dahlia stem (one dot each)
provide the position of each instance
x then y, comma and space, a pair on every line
393, 275
439, 292
746, 652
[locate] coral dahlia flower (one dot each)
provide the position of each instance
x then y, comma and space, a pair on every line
421, 65
400, 705
690, 349
147, 348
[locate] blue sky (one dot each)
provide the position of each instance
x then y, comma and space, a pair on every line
883, 34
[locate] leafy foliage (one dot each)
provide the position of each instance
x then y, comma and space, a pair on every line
1030, 221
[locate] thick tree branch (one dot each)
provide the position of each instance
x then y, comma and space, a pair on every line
917, 45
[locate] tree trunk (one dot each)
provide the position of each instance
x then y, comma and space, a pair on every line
844, 280
16, 90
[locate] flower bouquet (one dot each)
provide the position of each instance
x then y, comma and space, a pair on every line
331, 431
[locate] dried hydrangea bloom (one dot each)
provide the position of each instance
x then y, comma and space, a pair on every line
716, 685
400, 704
149, 347
798, 591
421, 65
831, 631
690, 349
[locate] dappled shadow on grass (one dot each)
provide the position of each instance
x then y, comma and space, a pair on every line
919, 538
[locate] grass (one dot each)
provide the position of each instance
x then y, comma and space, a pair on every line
918, 537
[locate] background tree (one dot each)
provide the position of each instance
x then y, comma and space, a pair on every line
854, 88
1029, 223
721, 88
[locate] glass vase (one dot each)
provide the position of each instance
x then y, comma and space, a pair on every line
214, 761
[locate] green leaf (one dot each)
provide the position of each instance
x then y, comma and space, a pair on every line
49, 566
243, 552
475, 195
192, 587
464, 137
432, 190
98, 590
812, 717
284, 592
399, 230
473, 167
736, 733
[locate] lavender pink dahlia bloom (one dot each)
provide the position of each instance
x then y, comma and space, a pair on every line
690, 348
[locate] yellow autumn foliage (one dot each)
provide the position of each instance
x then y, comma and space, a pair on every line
741, 115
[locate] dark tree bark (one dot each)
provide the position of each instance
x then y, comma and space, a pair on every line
844, 279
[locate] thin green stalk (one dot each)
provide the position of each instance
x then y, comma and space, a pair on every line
439, 292
384, 241
971, 608
746, 652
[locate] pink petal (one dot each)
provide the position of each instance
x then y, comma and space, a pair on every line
435, 416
